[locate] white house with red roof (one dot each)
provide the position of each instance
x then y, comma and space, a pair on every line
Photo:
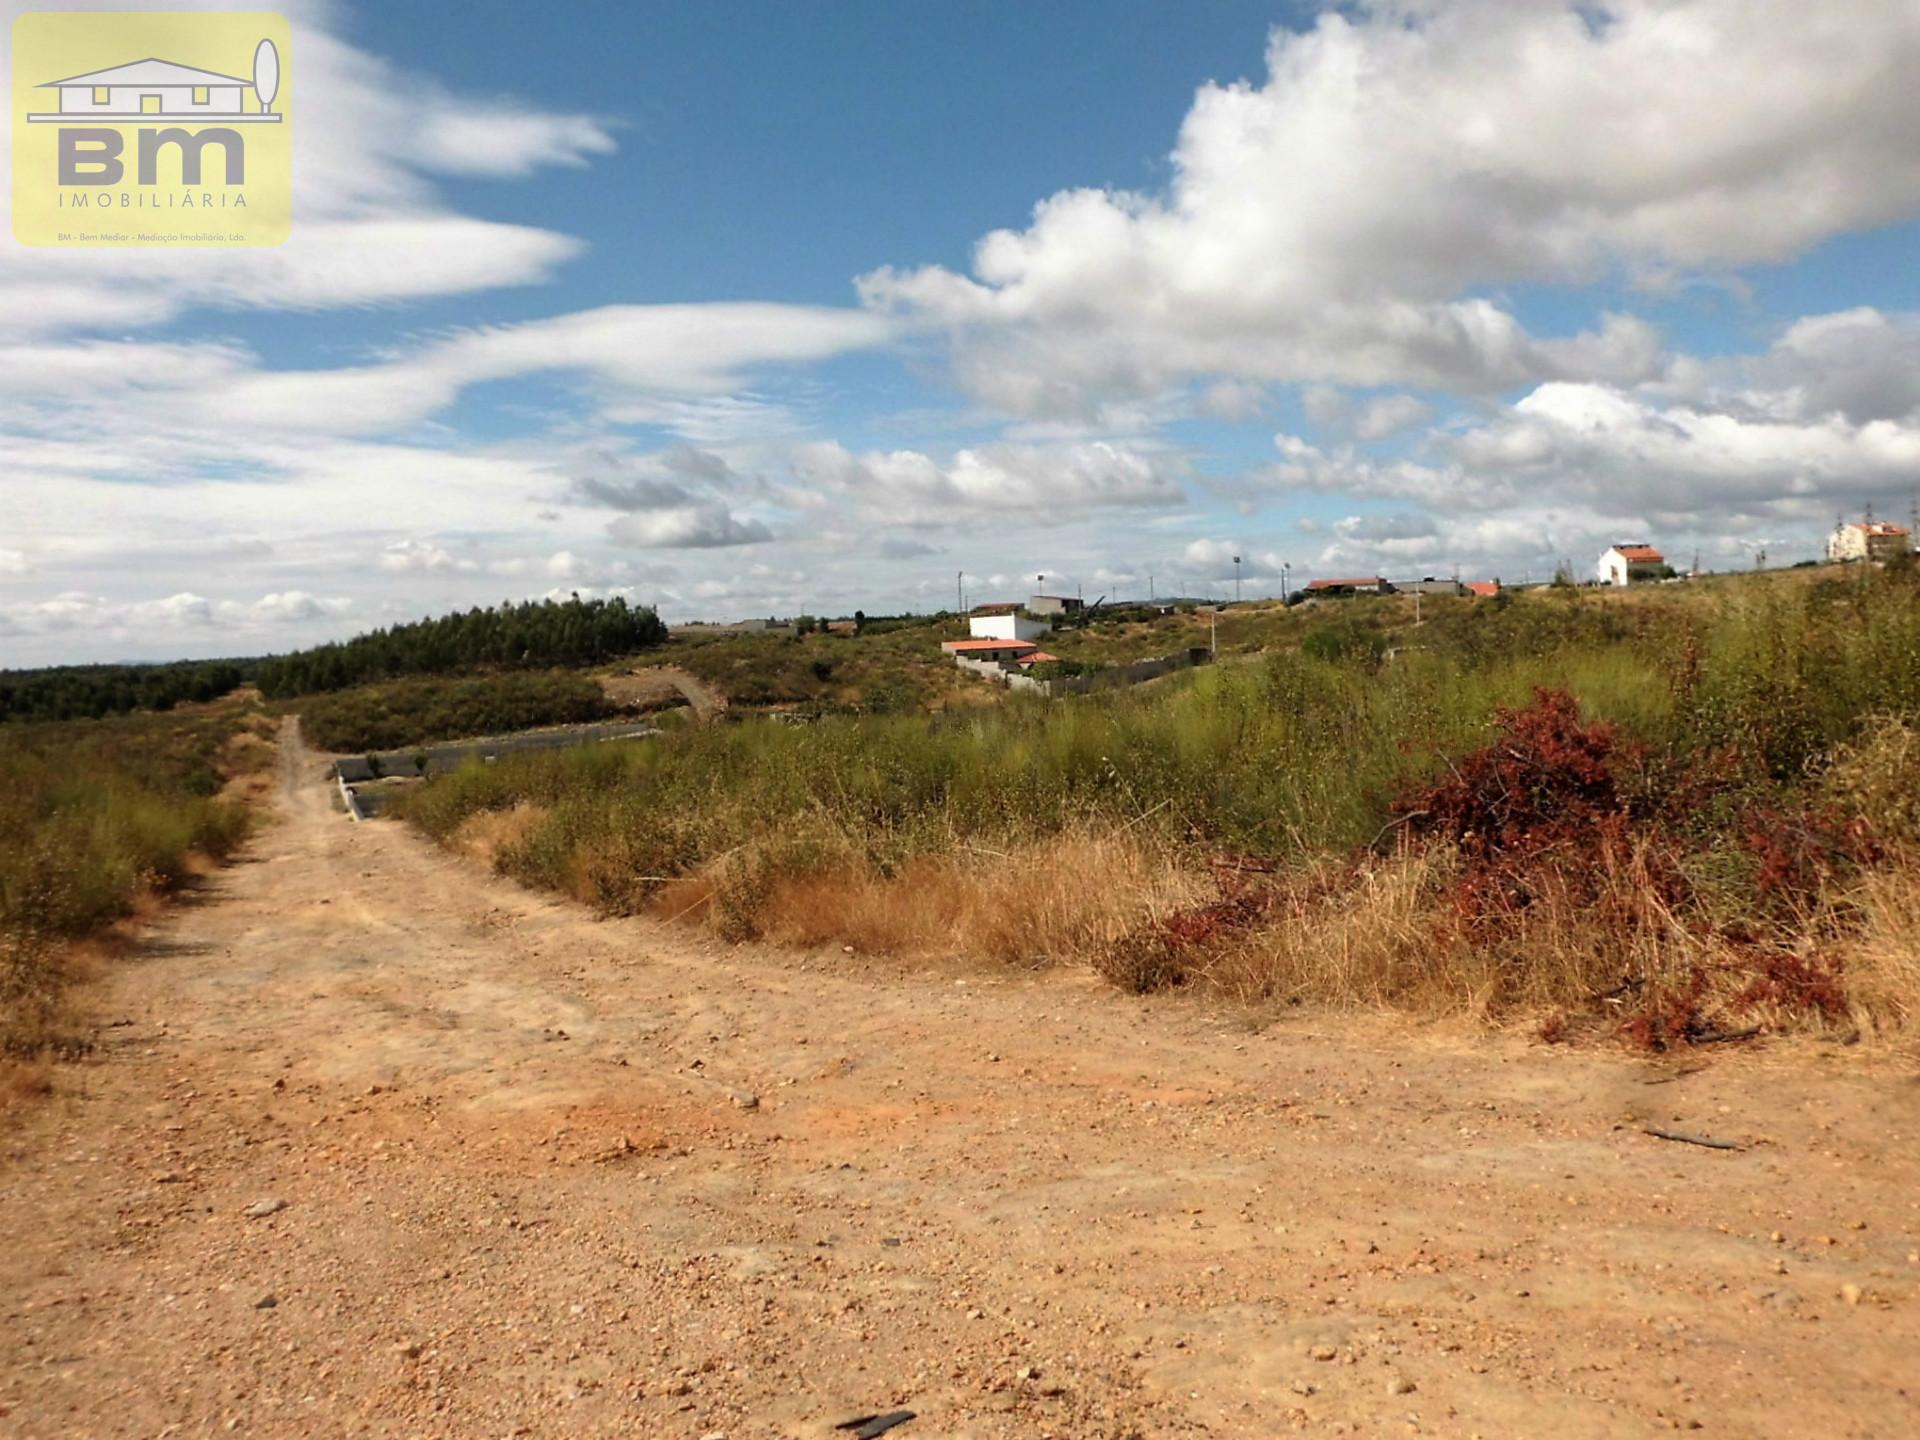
1631, 562
1868, 539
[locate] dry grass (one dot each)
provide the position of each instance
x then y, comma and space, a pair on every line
484, 834
38, 1020
1065, 901
1882, 961
23, 1081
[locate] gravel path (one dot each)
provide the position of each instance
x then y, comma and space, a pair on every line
375, 1145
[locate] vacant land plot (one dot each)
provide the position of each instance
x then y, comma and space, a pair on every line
375, 1144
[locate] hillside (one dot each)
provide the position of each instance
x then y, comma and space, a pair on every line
1686, 801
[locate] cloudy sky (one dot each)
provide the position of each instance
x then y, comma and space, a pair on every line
767, 307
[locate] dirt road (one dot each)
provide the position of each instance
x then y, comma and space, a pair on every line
533, 1174
655, 685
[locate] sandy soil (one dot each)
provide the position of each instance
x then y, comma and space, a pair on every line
534, 1174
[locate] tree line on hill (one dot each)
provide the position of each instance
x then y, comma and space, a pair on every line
529, 635
89, 692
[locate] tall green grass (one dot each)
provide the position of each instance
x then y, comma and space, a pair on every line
1289, 755
93, 813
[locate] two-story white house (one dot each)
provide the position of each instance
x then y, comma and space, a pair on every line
1004, 622
1869, 539
1631, 563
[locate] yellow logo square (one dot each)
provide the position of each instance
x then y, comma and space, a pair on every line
152, 128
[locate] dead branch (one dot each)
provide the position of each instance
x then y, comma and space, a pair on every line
1684, 1138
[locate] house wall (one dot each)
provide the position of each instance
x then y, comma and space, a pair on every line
174, 100
1006, 627
991, 669
1616, 569
1052, 604
1850, 542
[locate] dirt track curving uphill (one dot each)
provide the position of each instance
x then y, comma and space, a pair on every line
522, 1172
655, 685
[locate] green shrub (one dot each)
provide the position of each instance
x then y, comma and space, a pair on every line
413, 712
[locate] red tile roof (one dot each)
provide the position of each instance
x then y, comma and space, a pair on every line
1641, 552
1345, 584
1036, 657
1484, 588
1878, 527
958, 647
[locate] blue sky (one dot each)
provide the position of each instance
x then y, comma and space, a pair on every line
762, 308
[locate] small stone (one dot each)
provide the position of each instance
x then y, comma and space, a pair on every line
409, 1349
1400, 1385
266, 1302
260, 1209
1322, 1352
1302, 1387
1026, 1372
744, 1099
1778, 1238
1850, 1293
1859, 1225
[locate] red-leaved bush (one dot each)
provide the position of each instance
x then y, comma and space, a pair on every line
1546, 774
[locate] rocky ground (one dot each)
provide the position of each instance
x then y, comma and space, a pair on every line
375, 1145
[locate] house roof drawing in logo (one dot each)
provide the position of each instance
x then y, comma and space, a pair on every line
161, 89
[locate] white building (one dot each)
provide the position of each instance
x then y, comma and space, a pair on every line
1631, 563
1006, 624
1055, 604
1876, 540
152, 87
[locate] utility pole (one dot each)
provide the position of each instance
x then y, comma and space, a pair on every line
1149, 586
960, 590
1417, 622
1213, 632
1286, 580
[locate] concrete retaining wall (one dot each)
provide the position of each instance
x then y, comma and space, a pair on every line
1105, 679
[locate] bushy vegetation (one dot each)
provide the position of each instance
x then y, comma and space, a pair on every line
529, 635
87, 692
890, 667
93, 813
1674, 734
419, 711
